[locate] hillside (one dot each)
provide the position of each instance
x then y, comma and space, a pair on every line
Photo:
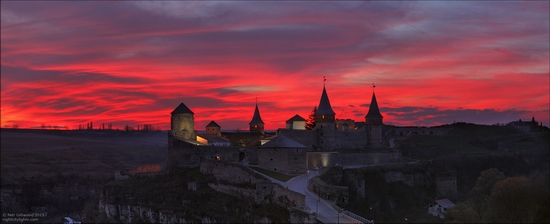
64, 171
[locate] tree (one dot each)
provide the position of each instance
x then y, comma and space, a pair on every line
475, 208
485, 182
310, 123
516, 200
496, 198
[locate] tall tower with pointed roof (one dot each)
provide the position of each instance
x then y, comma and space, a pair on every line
182, 123
256, 124
373, 116
324, 114
373, 121
325, 122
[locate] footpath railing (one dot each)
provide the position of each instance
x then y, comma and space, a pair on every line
352, 216
321, 218
355, 216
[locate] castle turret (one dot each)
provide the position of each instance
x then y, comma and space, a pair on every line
373, 121
256, 125
324, 114
213, 128
373, 116
182, 123
325, 122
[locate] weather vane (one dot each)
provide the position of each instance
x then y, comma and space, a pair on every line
373, 87
324, 80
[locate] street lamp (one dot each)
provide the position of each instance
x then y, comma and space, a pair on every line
340, 210
318, 199
373, 213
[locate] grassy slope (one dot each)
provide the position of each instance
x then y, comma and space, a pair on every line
39, 157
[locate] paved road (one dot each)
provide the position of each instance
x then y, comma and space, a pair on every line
314, 204
322, 207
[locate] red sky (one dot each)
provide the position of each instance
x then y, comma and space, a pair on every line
129, 63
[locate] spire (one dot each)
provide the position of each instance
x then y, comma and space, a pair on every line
324, 105
373, 116
374, 112
256, 119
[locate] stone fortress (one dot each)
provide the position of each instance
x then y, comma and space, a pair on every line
349, 148
291, 150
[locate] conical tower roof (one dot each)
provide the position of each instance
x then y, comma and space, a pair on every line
324, 104
213, 124
182, 109
256, 119
373, 109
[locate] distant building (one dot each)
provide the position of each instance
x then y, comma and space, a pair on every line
297, 123
529, 126
439, 208
345, 124
213, 128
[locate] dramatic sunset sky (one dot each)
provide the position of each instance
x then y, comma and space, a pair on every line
128, 63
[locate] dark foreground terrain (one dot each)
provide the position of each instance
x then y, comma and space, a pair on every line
63, 172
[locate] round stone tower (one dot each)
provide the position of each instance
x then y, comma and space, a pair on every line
183, 123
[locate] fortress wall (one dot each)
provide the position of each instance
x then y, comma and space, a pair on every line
350, 139
446, 185
268, 192
369, 158
185, 155
240, 192
321, 159
305, 137
296, 160
252, 155
231, 172
326, 191
285, 160
273, 159
286, 196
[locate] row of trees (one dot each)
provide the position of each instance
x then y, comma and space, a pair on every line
145, 127
500, 199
